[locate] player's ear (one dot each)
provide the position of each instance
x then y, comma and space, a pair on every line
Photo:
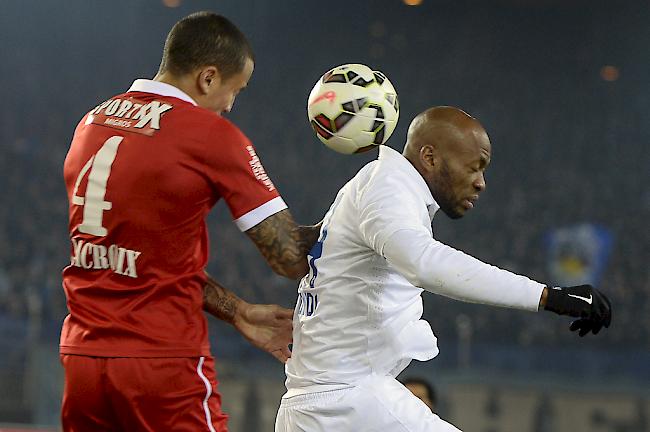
428, 157
208, 79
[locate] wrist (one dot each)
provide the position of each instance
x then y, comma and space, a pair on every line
574, 301
220, 302
543, 299
555, 300
241, 313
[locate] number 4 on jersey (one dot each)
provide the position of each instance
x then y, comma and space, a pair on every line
94, 204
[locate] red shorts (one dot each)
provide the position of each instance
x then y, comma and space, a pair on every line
141, 394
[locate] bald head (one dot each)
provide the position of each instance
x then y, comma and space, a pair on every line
451, 150
443, 127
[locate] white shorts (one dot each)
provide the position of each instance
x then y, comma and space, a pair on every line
379, 404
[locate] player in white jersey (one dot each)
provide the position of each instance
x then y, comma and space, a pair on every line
357, 322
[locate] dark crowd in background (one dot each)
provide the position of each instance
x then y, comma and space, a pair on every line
563, 91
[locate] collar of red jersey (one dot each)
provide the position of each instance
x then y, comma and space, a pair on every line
400, 162
159, 88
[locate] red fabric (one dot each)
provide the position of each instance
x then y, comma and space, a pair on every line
136, 290
140, 395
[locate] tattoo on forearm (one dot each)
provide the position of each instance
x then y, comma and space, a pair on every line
283, 243
219, 301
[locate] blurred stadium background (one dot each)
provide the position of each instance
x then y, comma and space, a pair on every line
563, 88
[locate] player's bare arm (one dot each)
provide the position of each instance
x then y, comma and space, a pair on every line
284, 244
268, 327
220, 302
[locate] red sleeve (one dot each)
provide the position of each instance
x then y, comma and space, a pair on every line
240, 178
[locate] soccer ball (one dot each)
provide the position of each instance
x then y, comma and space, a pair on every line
353, 108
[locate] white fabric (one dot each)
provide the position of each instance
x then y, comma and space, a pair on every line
208, 393
456, 274
377, 404
258, 214
160, 88
359, 308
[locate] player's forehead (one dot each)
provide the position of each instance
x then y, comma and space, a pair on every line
483, 144
249, 66
240, 79
471, 145
247, 71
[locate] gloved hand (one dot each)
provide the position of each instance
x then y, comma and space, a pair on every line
584, 302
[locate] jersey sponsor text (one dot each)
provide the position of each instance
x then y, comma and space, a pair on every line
258, 169
142, 117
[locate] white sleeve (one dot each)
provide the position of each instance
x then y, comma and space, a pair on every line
438, 268
386, 207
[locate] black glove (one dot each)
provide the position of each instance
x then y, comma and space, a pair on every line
584, 302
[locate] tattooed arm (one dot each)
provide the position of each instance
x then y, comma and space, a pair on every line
284, 244
220, 302
267, 327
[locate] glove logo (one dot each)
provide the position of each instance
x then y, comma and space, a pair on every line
586, 299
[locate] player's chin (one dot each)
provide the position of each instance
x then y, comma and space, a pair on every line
462, 208
454, 213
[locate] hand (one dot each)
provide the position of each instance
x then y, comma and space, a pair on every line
585, 325
584, 302
268, 327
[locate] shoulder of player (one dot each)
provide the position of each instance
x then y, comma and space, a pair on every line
209, 125
375, 184
377, 176
212, 122
223, 125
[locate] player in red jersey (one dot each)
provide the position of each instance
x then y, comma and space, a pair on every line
143, 170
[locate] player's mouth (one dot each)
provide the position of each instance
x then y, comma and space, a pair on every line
468, 203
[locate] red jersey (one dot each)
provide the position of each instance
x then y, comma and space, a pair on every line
143, 170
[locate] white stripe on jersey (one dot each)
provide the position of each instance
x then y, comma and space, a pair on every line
208, 393
258, 214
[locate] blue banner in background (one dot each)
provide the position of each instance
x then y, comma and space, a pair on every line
578, 254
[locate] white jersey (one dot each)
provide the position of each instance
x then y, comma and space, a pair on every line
359, 309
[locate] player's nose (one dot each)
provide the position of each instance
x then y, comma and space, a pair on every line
479, 183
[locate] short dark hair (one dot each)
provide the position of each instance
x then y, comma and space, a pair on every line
426, 384
205, 39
